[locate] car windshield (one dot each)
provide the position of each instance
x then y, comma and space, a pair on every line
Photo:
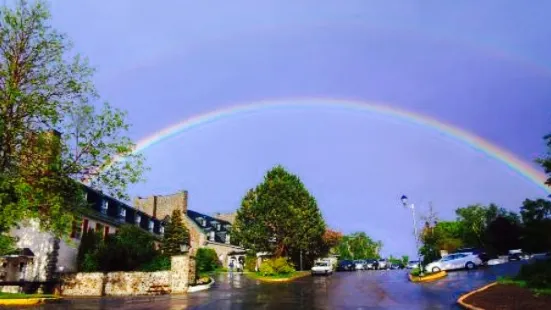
321, 264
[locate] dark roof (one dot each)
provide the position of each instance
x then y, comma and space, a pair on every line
220, 235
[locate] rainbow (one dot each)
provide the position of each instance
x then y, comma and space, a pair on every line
514, 163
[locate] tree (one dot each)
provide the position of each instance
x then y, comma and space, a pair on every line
536, 218
331, 239
358, 245
280, 216
176, 234
545, 161
502, 235
405, 260
52, 134
88, 244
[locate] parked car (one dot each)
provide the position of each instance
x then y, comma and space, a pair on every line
383, 264
346, 265
371, 264
480, 252
395, 266
412, 264
322, 267
455, 261
516, 255
359, 264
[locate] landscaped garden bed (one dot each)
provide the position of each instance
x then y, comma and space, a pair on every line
16, 299
507, 296
530, 289
278, 277
414, 276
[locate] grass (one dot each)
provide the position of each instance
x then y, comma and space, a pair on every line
278, 277
23, 296
523, 284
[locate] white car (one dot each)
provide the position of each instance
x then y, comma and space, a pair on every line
455, 261
412, 264
383, 264
322, 267
360, 264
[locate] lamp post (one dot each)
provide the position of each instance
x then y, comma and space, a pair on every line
184, 248
404, 200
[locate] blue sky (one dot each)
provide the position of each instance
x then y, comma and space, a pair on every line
484, 67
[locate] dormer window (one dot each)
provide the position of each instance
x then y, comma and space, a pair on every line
212, 236
122, 213
162, 230
218, 226
104, 206
151, 225
138, 219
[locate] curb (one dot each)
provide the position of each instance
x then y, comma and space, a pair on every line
25, 302
197, 288
463, 297
432, 277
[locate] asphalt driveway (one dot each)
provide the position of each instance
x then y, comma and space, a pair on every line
344, 290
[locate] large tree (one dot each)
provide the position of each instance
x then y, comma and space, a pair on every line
46, 89
280, 216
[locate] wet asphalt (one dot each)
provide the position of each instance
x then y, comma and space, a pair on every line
388, 289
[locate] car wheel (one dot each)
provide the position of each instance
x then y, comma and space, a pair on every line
435, 269
470, 265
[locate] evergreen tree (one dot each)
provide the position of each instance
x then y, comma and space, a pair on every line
176, 234
280, 216
88, 244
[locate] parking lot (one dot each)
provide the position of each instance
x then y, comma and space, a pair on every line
382, 289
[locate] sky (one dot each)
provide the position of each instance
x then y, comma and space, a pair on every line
484, 67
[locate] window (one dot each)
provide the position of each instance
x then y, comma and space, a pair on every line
76, 231
151, 225
99, 228
85, 225
106, 231
138, 219
104, 206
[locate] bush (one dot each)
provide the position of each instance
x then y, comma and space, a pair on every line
159, 263
250, 263
537, 274
276, 266
206, 260
127, 250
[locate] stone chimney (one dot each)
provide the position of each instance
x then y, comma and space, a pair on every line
161, 206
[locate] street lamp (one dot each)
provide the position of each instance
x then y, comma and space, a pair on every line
184, 248
404, 200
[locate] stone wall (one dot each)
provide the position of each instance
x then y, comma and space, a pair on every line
161, 206
136, 283
176, 280
83, 284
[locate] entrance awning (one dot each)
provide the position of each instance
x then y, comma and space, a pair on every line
22, 252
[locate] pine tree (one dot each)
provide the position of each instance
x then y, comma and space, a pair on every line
176, 234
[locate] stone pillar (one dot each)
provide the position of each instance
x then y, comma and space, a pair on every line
179, 273
192, 276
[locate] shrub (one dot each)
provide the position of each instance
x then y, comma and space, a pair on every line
537, 274
159, 263
250, 263
266, 269
127, 250
276, 266
206, 260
